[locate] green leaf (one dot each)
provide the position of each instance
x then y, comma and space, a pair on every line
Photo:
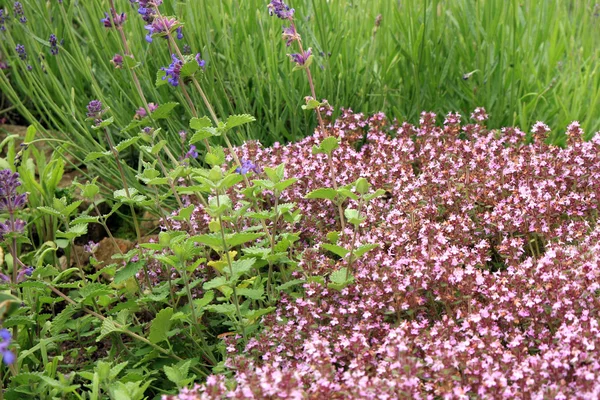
227, 309
215, 283
323, 193
128, 271
95, 155
311, 105
108, 326
107, 122
49, 210
126, 143
289, 284
338, 279
238, 120
235, 239
161, 325
84, 219
199, 123
164, 110
189, 68
365, 248
254, 294
94, 290
362, 186
160, 74
334, 248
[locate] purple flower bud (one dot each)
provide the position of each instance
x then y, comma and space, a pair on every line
23, 273
179, 31
192, 153
300, 58
280, 9
141, 112
159, 26
117, 19
246, 167
117, 61
290, 35
91, 247
187, 50
200, 61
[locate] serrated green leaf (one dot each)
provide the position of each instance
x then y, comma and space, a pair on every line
164, 110
323, 193
160, 74
254, 294
199, 123
126, 143
107, 122
49, 210
334, 248
128, 271
238, 120
215, 283
94, 155
108, 327
361, 250
161, 325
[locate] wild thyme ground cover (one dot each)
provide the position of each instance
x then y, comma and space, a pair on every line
485, 281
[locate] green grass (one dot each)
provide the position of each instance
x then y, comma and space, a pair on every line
527, 60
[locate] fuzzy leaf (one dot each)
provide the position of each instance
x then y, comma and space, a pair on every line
128, 271
199, 123
323, 193
108, 326
238, 120
161, 325
334, 248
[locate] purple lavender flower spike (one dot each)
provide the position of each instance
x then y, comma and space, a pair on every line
20, 49
3, 15
18, 10
280, 9
53, 44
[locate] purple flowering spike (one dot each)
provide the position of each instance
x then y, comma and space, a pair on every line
179, 33
24, 273
8, 356
280, 9
20, 49
173, 70
19, 13
94, 109
3, 15
9, 198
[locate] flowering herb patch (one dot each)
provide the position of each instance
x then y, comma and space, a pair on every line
484, 284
